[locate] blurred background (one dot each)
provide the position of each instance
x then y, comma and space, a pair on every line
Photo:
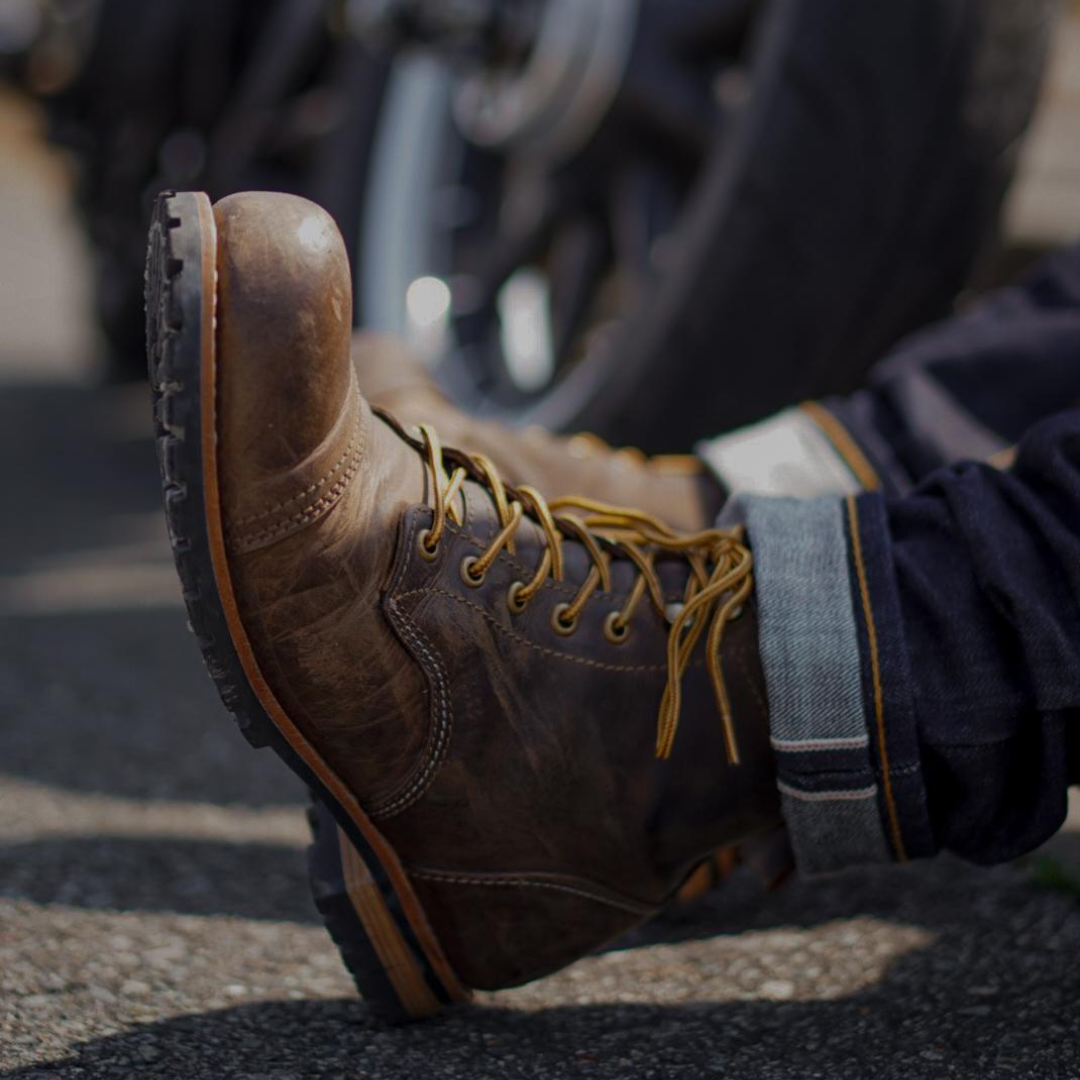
653, 219
556, 201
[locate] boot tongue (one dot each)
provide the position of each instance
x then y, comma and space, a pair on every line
400, 469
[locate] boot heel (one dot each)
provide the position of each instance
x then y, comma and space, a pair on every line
354, 910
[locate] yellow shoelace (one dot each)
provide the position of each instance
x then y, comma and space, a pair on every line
720, 579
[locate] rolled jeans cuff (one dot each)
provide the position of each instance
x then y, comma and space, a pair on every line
840, 711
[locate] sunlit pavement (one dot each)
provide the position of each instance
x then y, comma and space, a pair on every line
154, 913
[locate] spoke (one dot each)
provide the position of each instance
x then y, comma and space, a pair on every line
287, 40
645, 207
527, 221
580, 254
700, 26
674, 103
602, 225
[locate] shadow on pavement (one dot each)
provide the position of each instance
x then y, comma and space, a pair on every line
118, 702
77, 462
977, 1002
267, 881
161, 874
102, 684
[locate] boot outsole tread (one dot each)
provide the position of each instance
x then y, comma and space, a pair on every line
174, 350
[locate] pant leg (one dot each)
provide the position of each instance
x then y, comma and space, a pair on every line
968, 388
920, 628
984, 567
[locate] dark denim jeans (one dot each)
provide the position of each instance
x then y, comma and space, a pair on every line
920, 616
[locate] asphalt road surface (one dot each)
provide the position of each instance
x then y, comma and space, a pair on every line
154, 912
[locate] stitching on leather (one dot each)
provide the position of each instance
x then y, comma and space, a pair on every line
439, 738
425, 590
524, 571
633, 906
521, 639
309, 514
347, 454
306, 516
527, 572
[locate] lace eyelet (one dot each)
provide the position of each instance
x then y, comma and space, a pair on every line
737, 614
428, 554
615, 631
558, 624
474, 581
513, 598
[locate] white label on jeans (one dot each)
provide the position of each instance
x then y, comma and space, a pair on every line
784, 455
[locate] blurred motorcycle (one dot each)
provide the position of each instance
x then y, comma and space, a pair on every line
654, 219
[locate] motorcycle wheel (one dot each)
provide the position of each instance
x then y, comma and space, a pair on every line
678, 273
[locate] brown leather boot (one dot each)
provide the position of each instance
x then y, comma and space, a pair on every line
518, 727
676, 488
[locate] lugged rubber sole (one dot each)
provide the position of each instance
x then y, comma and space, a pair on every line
360, 886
